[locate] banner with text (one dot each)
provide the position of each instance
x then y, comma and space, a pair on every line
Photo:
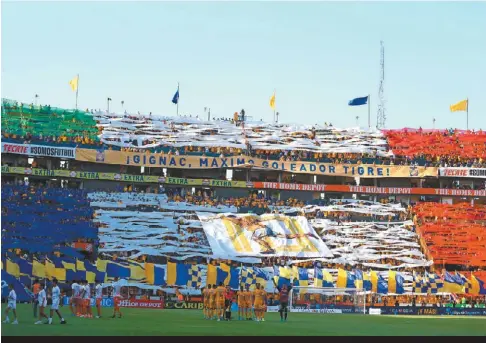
463, 172
203, 162
242, 184
38, 150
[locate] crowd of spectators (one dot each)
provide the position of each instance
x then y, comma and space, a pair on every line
452, 148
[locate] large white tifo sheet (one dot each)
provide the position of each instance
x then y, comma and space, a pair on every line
259, 236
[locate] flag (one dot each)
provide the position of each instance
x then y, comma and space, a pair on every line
69, 264
195, 276
358, 101
231, 275
137, 271
362, 280
282, 275
175, 98
12, 267
452, 285
301, 278
272, 101
117, 269
100, 265
59, 270
261, 276
476, 286
345, 279
248, 277
212, 275
433, 283
460, 106
395, 282
418, 285
378, 283
25, 267
155, 274
74, 83
322, 278
38, 269
180, 274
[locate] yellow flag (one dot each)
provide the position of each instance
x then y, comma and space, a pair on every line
272, 101
460, 106
74, 83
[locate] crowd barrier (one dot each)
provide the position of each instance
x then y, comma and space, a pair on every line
142, 179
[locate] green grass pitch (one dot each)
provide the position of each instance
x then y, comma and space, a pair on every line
151, 322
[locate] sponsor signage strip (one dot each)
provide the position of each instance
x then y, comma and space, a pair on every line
463, 172
242, 184
38, 150
203, 162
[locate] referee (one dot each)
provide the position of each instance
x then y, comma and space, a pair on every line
228, 301
284, 300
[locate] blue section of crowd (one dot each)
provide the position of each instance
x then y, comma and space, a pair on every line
43, 220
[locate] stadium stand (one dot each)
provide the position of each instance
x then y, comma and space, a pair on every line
120, 225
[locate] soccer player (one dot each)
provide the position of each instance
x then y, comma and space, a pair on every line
260, 298
117, 297
76, 287
81, 303
241, 303
228, 301
42, 299
284, 300
12, 305
35, 290
99, 297
87, 300
56, 299
212, 301
249, 302
206, 301
220, 295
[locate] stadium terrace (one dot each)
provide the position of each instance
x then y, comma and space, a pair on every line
149, 211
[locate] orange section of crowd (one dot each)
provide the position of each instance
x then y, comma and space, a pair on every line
453, 234
445, 146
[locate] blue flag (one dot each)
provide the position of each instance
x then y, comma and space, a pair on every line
175, 99
358, 101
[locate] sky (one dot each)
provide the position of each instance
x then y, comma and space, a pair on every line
233, 55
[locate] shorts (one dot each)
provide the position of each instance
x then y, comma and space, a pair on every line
227, 303
241, 305
86, 302
258, 305
98, 301
55, 305
220, 304
283, 305
211, 304
116, 300
12, 305
43, 304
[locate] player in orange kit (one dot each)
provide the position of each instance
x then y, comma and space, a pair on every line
212, 301
220, 294
205, 295
259, 301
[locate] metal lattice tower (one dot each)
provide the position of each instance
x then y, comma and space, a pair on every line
381, 114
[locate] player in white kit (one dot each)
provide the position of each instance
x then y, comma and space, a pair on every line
12, 305
117, 297
56, 299
99, 297
42, 299
72, 300
87, 299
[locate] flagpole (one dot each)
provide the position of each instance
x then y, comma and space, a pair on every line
178, 97
274, 99
369, 107
467, 113
77, 89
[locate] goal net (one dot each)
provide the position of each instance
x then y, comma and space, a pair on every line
327, 300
